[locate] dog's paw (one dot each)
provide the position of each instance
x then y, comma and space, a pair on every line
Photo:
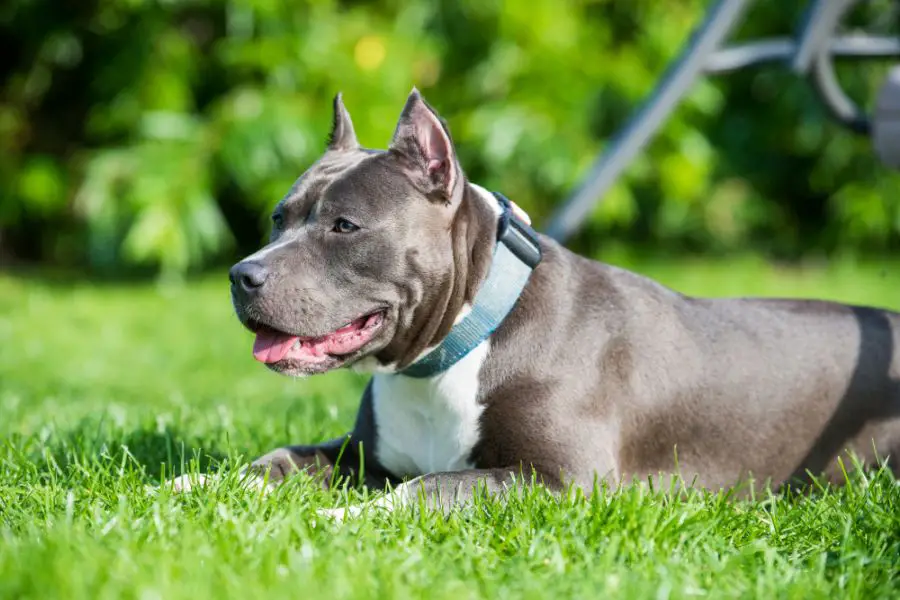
188, 482
387, 503
180, 485
339, 515
332, 514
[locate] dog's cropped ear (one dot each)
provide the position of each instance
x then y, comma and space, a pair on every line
424, 141
342, 136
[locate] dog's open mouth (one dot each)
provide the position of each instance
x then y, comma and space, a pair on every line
273, 346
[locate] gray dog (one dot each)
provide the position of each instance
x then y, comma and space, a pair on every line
495, 352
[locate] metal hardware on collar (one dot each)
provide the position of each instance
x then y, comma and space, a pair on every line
516, 254
517, 234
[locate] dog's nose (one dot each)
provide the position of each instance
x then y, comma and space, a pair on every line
248, 276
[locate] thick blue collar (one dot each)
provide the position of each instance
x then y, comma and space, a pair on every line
516, 254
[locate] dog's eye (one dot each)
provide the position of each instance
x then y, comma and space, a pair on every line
278, 220
344, 226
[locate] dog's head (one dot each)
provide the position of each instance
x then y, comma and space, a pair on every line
372, 253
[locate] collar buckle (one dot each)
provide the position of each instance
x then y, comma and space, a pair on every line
517, 235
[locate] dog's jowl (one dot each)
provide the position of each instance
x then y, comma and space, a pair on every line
496, 353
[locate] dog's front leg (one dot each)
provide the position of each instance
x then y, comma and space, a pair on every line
348, 459
318, 461
442, 491
266, 472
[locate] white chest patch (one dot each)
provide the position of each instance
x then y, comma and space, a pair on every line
429, 425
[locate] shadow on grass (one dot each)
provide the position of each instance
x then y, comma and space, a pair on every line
153, 454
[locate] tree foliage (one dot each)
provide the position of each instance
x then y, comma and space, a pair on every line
160, 133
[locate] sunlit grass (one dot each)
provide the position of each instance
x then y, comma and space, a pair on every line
106, 389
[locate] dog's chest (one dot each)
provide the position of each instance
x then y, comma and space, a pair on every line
429, 425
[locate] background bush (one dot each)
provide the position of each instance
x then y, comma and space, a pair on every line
158, 134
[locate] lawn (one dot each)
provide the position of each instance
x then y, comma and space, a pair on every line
107, 388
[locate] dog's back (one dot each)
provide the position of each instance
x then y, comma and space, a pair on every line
717, 389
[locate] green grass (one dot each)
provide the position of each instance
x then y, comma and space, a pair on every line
105, 389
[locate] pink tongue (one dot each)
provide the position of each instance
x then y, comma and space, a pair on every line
271, 346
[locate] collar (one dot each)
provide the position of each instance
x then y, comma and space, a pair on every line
516, 254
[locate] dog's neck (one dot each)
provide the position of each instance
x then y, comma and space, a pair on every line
473, 236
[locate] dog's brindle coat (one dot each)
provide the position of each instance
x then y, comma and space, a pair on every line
597, 372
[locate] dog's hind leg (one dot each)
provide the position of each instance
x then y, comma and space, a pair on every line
442, 492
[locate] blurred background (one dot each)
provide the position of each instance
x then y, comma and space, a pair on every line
153, 137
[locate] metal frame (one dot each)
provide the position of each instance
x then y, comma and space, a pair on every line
810, 54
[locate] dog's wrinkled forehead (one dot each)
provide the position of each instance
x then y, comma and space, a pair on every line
360, 177
310, 185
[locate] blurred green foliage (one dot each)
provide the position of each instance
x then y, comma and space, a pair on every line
160, 133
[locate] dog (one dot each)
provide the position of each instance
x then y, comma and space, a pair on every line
497, 353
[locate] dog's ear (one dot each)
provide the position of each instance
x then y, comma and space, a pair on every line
423, 141
342, 136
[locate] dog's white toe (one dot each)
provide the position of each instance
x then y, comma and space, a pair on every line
339, 515
335, 514
186, 483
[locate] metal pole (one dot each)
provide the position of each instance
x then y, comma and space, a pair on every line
678, 81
